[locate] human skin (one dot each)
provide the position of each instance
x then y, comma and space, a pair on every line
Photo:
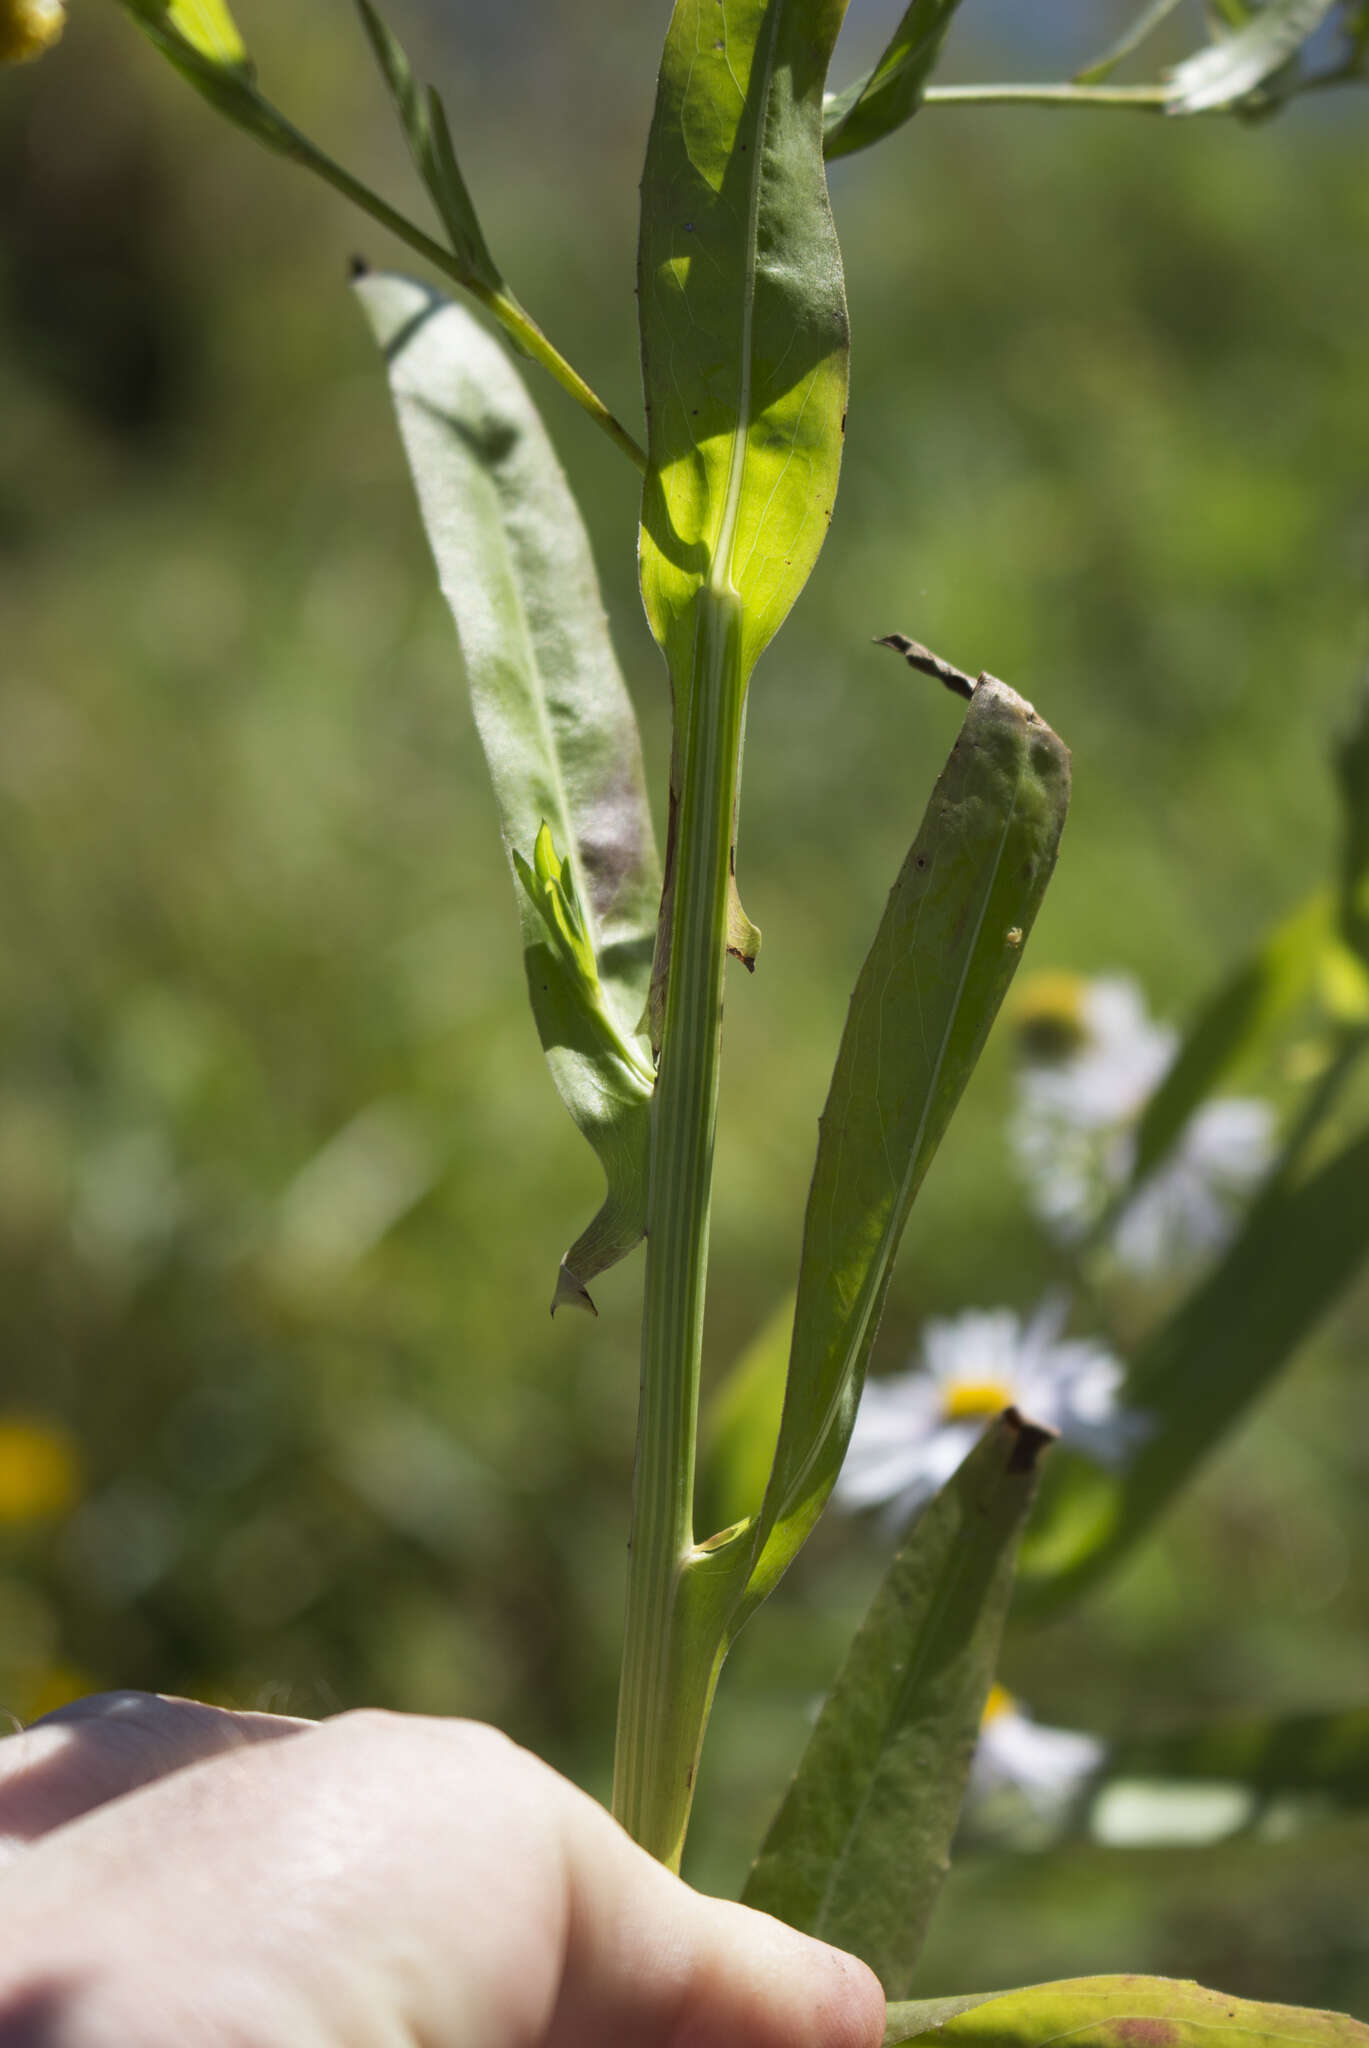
176, 1874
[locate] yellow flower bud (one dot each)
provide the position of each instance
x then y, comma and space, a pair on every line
28, 27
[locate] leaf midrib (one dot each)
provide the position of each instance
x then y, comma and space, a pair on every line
720, 576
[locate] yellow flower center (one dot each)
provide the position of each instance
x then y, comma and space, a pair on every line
1049, 1015
967, 1400
28, 27
1000, 1701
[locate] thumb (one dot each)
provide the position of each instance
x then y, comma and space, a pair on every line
649, 1961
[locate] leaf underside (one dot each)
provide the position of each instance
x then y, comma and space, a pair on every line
1239, 64
554, 720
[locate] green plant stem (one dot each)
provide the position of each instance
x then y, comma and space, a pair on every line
668, 1674
1143, 99
1146, 98
517, 323
229, 89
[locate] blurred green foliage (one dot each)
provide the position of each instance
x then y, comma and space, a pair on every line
282, 1181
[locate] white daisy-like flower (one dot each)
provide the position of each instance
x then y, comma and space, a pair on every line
1093, 1059
914, 1428
1048, 1766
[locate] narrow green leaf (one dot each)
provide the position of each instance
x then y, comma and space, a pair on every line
743, 315
1131, 38
1238, 64
1202, 1369
1120, 2012
740, 1424
945, 952
1352, 774
861, 1844
891, 93
554, 720
424, 122
1236, 1021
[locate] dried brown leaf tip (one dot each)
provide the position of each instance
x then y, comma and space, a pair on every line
1030, 1440
919, 657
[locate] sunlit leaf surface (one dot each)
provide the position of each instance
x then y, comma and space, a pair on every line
1119, 2012
554, 720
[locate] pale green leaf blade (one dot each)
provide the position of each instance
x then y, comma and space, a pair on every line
942, 960
860, 1846
740, 1424
1133, 35
1121, 2012
1238, 64
743, 317
424, 121
890, 93
554, 719
1199, 1373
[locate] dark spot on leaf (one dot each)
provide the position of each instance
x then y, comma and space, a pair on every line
920, 861
843, 423
358, 267
1145, 2033
718, 46
689, 227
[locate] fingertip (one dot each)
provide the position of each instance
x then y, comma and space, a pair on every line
780, 1988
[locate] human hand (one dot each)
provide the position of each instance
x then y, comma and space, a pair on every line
179, 1874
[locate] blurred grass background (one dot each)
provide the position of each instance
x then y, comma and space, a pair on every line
282, 1181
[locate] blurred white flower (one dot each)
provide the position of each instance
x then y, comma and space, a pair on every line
1093, 1057
1048, 1766
914, 1428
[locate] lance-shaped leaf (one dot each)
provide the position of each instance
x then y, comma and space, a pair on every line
554, 720
891, 93
1198, 1374
945, 952
424, 121
1131, 38
1119, 2012
1233, 1025
740, 1424
861, 1844
1238, 64
743, 316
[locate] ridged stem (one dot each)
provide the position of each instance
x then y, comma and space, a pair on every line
668, 1666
